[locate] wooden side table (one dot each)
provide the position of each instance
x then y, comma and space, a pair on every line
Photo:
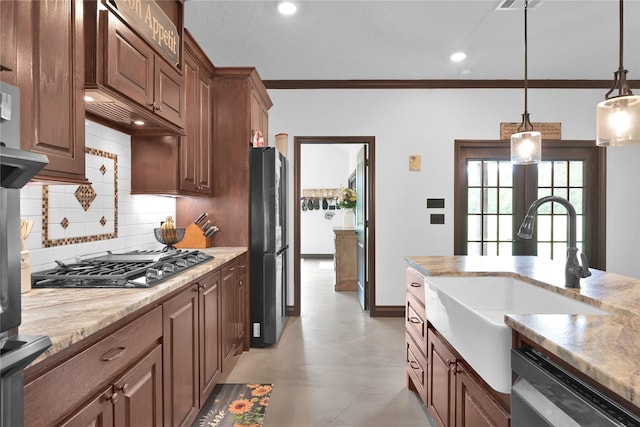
346, 259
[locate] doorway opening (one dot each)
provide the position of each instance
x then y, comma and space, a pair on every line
363, 180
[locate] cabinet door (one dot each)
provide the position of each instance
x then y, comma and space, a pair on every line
229, 293
8, 48
139, 401
440, 381
189, 143
50, 77
205, 112
130, 63
474, 405
241, 318
168, 98
195, 147
180, 358
97, 413
210, 354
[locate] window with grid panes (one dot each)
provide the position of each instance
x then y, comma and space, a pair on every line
489, 207
492, 197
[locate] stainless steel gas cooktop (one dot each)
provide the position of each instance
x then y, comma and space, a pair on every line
136, 269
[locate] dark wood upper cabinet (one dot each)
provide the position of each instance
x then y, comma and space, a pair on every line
196, 171
48, 71
127, 78
179, 165
8, 49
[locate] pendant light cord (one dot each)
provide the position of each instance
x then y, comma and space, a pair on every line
620, 66
526, 79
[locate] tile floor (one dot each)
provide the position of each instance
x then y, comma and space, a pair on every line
334, 366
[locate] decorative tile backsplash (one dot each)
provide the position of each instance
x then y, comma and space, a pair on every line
95, 199
74, 221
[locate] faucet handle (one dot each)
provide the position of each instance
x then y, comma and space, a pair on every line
584, 269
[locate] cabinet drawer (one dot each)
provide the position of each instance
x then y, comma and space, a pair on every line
416, 366
65, 387
415, 322
415, 284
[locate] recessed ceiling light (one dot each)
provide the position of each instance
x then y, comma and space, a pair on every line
88, 98
287, 7
138, 122
458, 56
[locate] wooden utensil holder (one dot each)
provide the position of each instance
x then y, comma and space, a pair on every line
193, 238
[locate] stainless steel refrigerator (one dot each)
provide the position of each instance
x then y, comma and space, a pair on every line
269, 245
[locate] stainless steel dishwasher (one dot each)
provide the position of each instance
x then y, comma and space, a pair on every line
544, 394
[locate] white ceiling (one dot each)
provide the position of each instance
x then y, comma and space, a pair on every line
339, 40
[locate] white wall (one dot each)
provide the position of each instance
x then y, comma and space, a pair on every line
137, 214
427, 122
323, 166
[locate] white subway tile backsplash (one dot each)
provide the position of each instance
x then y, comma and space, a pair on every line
137, 215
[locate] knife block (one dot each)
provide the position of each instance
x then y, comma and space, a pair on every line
193, 238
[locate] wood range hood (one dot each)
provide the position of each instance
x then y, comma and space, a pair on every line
127, 81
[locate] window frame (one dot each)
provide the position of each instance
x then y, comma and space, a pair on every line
525, 177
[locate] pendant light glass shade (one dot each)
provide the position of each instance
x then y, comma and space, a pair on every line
618, 121
618, 116
526, 144
526, 148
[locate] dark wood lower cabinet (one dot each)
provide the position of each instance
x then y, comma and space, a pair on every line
156, 369
474, 407
210, 327
192, 357
456, 397
180, 351
440, 381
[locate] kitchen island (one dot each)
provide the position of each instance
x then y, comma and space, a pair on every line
603, 348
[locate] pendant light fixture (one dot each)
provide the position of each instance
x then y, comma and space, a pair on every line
526, 144
618, 116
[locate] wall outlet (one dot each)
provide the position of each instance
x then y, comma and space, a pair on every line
256, 330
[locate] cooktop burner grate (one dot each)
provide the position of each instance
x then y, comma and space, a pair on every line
136, 269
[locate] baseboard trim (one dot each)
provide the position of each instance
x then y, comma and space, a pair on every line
317, 256
387, 311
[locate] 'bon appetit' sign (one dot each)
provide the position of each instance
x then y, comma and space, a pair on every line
146, 17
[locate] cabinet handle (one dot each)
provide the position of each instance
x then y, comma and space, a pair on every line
416, 285
415, 320
239, 283
414, 365
232, 268
242, 266
113, 354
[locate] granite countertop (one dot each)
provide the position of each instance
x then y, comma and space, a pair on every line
606, 348
69, 315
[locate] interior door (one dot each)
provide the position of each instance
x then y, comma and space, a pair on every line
361, 227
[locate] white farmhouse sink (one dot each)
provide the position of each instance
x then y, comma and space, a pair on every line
469, 312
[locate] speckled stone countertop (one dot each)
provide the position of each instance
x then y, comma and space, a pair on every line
606, 348
69, 315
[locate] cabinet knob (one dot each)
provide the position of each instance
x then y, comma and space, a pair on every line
203, 286
415, 320
123, 388
414, 365
196, 288
239, 283
155, 107
114, 397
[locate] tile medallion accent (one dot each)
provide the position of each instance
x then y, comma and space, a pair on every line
96, 217
85, 194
